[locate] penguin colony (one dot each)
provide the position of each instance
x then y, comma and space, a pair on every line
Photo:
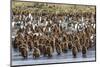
43, 33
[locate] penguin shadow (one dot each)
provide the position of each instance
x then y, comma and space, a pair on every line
25, 58
84, 56
74, 56
59, 54
49, 57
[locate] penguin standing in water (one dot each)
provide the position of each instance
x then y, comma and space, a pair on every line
49, 51
70, 44
44, 50
65, 47
74, 51
36, 53
24, 52
58, 49
84, 50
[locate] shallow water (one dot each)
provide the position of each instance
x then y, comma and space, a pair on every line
64, 57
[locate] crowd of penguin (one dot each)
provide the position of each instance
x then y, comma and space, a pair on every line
43, 33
